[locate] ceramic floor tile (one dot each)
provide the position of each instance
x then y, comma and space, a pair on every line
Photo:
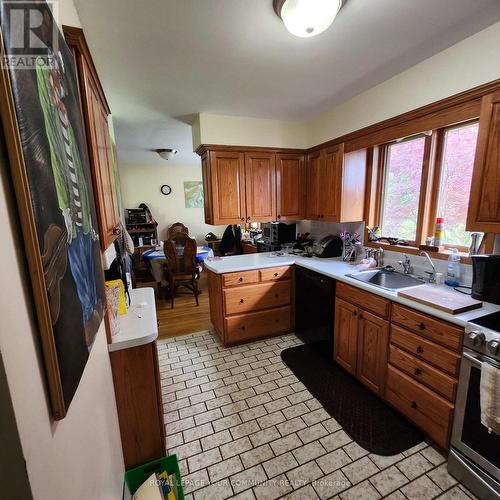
244, 427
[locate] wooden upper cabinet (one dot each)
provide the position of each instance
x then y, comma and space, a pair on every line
373, 339
290, 187
336, 185
260, 186
484, 203
345, 336
314, 168
95, 112
227, 178
329, 184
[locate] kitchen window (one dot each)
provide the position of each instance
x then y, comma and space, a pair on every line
454, 176
401, 188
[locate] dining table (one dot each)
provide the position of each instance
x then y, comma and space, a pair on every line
156, 260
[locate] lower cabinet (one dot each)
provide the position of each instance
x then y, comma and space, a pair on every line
360, 344
136, 379
251, 304
410, 359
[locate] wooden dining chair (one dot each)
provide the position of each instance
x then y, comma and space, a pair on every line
177, 227
181, 270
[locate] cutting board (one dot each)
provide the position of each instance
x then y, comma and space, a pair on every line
444, 300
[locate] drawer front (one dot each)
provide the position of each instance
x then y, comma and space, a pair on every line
254, 298
422, 372
432, 413
433, 329
368, 301
276, 273
241, 278
424, 349
259, 324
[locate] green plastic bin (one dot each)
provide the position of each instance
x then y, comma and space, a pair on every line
135, 477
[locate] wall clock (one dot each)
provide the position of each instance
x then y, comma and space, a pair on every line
166, 189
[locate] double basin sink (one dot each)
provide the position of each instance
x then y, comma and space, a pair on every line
387, 278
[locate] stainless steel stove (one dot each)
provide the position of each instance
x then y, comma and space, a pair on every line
475, 451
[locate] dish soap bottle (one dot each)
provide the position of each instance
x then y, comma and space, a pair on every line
453, 272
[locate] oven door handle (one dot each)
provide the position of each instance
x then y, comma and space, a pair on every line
473, 359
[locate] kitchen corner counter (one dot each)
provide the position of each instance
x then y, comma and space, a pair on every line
337, 269
139, 326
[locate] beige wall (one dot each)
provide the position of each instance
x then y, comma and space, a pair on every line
238, 130
80, 456
467, 64
141, 184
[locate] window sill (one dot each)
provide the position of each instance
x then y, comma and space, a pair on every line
412, 250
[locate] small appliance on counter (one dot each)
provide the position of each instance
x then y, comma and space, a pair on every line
277, 233
474, 457
486, 278
329, 246
262, 246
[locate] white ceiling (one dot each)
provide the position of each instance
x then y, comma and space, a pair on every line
161, 61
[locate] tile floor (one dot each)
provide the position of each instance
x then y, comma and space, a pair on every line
243, 426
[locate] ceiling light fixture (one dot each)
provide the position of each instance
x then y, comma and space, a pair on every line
306, 18
166, 154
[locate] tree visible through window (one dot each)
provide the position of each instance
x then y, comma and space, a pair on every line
454, 187
401, 194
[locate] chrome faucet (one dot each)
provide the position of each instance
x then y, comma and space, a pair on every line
406, 264
432, 274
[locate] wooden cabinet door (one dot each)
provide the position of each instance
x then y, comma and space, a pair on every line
373, 341
484, 203
345, 335
207, 188
330, 184
101, 160
260, 187
227, 179
290, 187
313, 173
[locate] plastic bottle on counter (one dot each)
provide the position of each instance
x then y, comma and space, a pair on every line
453, 271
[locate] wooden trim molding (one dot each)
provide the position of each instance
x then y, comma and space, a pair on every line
203, 148
75, 39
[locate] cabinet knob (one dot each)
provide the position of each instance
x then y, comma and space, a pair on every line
243, 327
242, 219
319, 216
277, 320
418, 371
240, 279
413, 404
275, 275
360, 315
279, 216
355, 313
276, 295
422, 326
241, 301
420, 349
249, 218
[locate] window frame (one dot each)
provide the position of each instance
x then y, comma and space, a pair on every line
432, 165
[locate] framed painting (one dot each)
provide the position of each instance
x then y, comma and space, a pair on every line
193, 194
43, 127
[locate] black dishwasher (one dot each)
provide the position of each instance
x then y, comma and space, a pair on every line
314, 307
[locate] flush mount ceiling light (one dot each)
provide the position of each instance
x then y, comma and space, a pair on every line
166, 154
306, 18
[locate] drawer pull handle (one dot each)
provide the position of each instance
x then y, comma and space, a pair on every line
422, 326
418, 371
275, 275
420, 349
413, 404
241, 301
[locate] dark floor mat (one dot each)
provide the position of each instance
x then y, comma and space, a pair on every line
366, 418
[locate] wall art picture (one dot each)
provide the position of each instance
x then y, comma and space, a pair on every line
193, 194
43, 125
